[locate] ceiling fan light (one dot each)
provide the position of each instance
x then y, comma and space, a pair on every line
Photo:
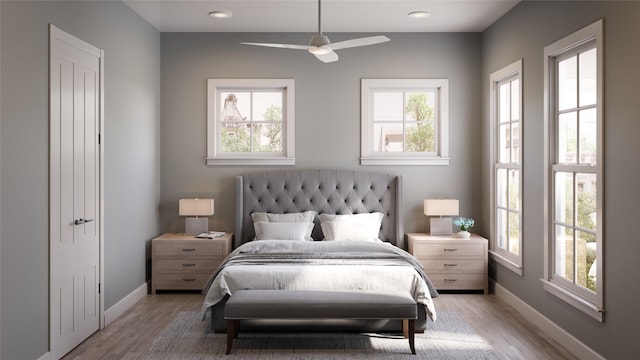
419, 14
220, 14
319, 50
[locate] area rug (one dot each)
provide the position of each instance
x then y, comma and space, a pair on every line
189, 338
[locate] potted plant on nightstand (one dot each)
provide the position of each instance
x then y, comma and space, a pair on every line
464, 224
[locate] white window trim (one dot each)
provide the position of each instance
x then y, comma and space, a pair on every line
288, 143
502, 257
369, 157
590, 305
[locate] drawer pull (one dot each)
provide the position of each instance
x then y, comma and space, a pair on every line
188, 249
188, 265
192, 279
450, 249
450, 265
450, 280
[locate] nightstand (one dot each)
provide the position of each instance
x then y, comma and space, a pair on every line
184, 262
452, 263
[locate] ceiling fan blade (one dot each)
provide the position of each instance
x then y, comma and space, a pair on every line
372, 40
328, 57
281, 46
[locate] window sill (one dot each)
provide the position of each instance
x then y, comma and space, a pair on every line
504, 261
404, 161
574, 300
277, 161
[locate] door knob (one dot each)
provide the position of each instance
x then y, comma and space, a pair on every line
82, 221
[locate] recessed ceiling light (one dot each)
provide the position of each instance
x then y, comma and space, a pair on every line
220, 14
419, 14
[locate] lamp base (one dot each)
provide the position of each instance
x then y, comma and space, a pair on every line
196, 225
441, 226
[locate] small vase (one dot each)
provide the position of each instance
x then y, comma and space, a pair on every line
464, 234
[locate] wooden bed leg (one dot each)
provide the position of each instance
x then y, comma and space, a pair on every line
409, 332
232, 332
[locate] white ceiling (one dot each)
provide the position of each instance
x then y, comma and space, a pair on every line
337, 15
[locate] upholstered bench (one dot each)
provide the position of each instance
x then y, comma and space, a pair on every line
309, 304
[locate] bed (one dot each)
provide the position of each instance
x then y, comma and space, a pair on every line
280, 218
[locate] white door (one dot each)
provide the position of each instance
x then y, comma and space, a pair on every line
75, 114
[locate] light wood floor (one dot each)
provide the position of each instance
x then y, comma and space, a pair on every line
511, 336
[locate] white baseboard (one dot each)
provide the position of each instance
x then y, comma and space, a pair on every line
123, 305
568, 341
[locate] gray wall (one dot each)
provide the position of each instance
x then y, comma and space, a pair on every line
327, 113
523, 33
132, 162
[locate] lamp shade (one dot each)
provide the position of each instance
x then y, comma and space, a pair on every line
195, 207
440, 207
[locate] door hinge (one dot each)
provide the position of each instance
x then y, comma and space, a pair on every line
99, 139
99, 289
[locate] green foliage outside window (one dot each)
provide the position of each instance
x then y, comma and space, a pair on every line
420, 138
236, 137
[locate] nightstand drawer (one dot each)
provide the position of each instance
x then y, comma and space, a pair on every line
181, 281
454, 265
213, 250
423, 250
452, 281
186, 265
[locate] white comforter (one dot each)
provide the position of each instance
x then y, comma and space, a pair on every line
339, 266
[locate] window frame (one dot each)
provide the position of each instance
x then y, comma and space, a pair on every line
371, 157
286, 157
590, 303
508, 73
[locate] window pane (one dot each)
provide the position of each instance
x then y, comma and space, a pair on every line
388, 137
501, 188
387, 106
564, 252
586, 202
567, 138
504, 143
267, 137
514, 233
420, 137
235, 138
586, 255
515, 100
588, 135
235, 106
504, 103
567, 83
515, 143
501, 229
588, 80
419, 106
514, 190
564, 198
267, 106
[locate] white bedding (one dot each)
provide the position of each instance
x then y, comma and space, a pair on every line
389, 269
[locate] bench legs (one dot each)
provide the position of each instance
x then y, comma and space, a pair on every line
408, 331
232, 333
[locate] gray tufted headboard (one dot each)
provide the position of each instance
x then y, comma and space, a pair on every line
324, 191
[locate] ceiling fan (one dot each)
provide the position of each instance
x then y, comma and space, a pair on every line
322, 48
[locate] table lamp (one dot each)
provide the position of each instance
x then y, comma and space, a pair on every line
196, 207
441, 207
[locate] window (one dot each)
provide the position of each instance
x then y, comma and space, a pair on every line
573, 118
405, 122
506, 155
250, 122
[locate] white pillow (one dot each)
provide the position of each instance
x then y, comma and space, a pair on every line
283, 230
303, 217
354, 227
306, 216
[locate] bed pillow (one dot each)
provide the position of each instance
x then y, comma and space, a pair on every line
353, 227
283, 230
301, 217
